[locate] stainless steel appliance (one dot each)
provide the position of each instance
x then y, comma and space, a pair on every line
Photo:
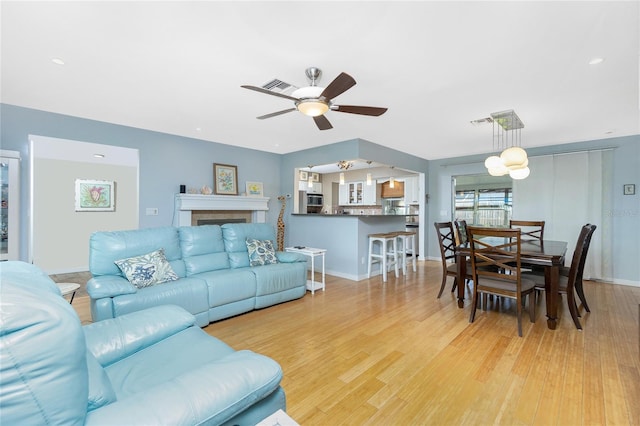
393, 206
314, 203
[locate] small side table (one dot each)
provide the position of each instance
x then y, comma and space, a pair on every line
312, 284
68, 288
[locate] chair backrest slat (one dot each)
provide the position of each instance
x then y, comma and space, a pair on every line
495, 253
461, 231
446, 240
529, 228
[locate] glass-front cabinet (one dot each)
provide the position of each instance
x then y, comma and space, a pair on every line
9, 204
357, 194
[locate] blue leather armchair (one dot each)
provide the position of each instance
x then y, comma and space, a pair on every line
154, 366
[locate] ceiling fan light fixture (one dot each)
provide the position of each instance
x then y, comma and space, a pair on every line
312, 107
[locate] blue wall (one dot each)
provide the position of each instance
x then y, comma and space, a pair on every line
624, 211
167, 161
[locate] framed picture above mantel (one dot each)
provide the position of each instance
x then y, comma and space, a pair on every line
225, 179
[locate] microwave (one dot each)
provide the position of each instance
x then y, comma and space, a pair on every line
314, 200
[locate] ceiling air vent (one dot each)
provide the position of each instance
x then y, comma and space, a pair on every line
279, 86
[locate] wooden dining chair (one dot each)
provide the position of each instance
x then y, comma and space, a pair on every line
530, 229
568, 281
447, 243
461, 231
578, 284
496, 269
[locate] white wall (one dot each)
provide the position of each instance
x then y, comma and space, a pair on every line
60, 234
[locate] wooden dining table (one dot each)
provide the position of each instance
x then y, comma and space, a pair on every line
546, 253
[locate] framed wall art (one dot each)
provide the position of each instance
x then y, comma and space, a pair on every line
303, 175
225, 179
254, 189
95, 195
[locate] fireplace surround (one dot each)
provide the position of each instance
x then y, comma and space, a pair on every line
189, 208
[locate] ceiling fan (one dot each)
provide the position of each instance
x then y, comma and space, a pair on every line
315, 101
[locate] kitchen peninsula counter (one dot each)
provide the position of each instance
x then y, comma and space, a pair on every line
355, 215
344, 236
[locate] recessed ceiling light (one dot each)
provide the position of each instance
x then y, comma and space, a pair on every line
57, 61
198, 129
98, 155
608, 132
596, 61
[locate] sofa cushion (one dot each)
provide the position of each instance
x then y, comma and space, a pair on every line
100, 390
202, 249
107, 247
235, 240
147, 269
188, 293
261, 252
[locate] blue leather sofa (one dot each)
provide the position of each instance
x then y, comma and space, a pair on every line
155, 366
215, 281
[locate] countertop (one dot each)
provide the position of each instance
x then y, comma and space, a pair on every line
352, 215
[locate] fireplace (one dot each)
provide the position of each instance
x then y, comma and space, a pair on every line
202, 222
192, 208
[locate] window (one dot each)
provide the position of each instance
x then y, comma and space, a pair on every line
486, 207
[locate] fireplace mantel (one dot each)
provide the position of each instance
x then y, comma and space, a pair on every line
186, 203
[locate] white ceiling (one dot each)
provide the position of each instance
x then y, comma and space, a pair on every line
177, 67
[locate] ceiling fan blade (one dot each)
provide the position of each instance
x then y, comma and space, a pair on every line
322, 122
269, 92
339, 85
362, 110
273, 114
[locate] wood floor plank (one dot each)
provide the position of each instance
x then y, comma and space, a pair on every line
376, 353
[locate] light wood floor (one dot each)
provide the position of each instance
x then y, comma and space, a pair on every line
368, 353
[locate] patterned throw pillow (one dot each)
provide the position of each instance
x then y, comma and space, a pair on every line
261, 252
148, 269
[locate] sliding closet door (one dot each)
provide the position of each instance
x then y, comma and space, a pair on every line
568, 191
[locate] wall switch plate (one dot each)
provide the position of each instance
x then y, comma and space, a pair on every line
152, 211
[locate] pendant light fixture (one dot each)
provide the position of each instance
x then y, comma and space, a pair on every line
507, 136
344, 165
310, 178
369, 180
392, 182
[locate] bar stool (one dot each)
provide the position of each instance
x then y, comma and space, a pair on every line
407, 242
388, 255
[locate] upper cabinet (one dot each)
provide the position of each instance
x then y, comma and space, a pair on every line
316, 187
357, 194
411, 190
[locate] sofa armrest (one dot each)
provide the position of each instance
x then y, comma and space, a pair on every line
114, 339
209, 394
290, 257
109, 286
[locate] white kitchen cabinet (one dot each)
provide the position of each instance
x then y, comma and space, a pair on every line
343, 195
357, 194
369, 197
316, 187
411, 190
